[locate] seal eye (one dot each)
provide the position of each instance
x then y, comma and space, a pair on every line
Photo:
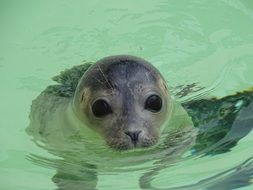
153, 103
101, 108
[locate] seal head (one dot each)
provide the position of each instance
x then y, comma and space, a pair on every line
124, 99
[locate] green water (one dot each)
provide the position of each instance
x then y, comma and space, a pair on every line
208, 42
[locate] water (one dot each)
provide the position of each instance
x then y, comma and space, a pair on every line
205, 42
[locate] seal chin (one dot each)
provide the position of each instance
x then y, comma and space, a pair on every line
123, 144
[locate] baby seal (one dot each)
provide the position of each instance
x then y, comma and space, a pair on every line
124, 99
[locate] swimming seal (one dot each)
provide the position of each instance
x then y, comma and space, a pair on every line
123, 102
124, 99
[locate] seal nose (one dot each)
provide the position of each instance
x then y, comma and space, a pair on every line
134, 135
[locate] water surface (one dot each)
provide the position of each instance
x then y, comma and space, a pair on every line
205, 42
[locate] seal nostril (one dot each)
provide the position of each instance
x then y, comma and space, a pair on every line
133, 135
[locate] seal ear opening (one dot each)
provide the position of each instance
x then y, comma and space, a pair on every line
80, 100
163, 85
82, 97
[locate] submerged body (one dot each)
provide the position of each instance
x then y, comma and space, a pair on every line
121, 101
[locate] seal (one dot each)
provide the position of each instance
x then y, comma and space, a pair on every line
123, 102
123, 99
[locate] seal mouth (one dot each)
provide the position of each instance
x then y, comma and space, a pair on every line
124, 144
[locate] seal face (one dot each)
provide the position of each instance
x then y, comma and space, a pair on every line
125, 99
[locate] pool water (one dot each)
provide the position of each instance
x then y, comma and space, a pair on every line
209, 43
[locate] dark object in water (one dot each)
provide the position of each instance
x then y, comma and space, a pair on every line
221, 122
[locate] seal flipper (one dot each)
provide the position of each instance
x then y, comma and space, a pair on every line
215, 119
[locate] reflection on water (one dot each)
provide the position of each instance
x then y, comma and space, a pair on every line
236, 177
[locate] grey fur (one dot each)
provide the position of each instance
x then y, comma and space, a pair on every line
125, 82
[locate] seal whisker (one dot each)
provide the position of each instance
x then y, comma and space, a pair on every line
98, 80
105, 77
